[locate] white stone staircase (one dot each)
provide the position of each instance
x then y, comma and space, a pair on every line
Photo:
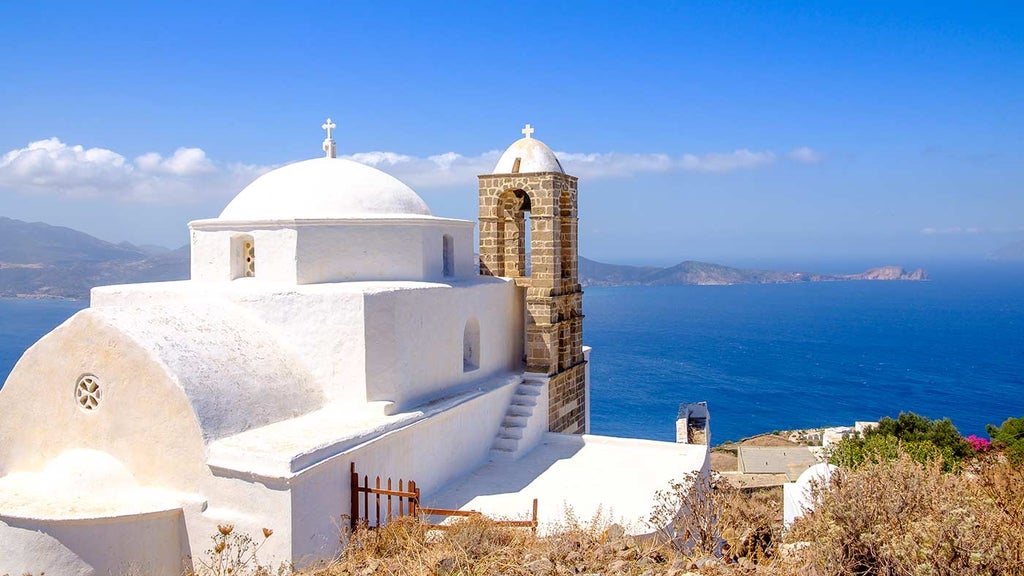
510, 445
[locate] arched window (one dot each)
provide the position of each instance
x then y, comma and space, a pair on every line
471, 345
514, 232
448, 255
243, 256
566, 236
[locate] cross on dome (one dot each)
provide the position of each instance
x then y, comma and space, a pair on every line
328, 126
528, 131
329, 147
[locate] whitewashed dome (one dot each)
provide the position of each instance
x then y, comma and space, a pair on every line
533, 155
325, 188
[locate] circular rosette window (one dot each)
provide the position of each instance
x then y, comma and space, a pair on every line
88, 393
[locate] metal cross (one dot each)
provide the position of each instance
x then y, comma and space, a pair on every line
528, 131
328, 126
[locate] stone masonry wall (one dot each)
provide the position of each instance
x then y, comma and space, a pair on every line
567, 409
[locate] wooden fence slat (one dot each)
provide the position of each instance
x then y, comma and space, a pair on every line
354, 480
415, 501
448, 512
395, 493
377, 497
534, 517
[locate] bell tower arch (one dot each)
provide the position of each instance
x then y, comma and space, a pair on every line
528, 179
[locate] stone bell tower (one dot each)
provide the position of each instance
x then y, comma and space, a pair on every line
529, 185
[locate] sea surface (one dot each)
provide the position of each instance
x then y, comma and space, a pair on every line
770, 357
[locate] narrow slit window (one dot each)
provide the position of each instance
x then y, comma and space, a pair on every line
448, 255
471, 345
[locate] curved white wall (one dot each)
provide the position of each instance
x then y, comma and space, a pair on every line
144, 418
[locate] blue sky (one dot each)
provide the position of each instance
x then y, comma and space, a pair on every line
738, 133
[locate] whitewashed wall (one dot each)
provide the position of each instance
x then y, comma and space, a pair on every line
312, 252
138, 544
275, 249
415, 338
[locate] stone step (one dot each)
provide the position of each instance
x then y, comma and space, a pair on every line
506, 444
501, 455
526, 390
515, 420
517, 417
516, 433
518, 400
520, 410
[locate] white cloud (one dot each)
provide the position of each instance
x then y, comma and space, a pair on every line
55, 168
377, 159
68, 170
184, 162
439, 171
454, 169
957, 230
806, 155
930, 231
727, 162
614, 164
189, 175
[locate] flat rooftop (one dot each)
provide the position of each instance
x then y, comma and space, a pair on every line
788, 460
578, 473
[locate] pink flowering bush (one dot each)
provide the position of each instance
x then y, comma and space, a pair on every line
979, 444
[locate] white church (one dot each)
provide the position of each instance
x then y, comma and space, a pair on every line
331, 319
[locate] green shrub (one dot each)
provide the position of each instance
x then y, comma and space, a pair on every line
923, 440
910, 427
1010, 438
874, 449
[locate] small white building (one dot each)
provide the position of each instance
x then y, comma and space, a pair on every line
330, 318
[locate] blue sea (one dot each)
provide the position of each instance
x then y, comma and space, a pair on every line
771, 357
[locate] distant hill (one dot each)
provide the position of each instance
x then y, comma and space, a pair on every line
703, 274
38, 243
42, 261
1014, 251
600, 274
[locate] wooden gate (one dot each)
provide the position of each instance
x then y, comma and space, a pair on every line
373, 506
407, 498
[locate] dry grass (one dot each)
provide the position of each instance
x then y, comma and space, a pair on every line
904, 517
479, 546
723, 460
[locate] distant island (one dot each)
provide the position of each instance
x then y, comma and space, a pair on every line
1012, 252
692, 273
38, 260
